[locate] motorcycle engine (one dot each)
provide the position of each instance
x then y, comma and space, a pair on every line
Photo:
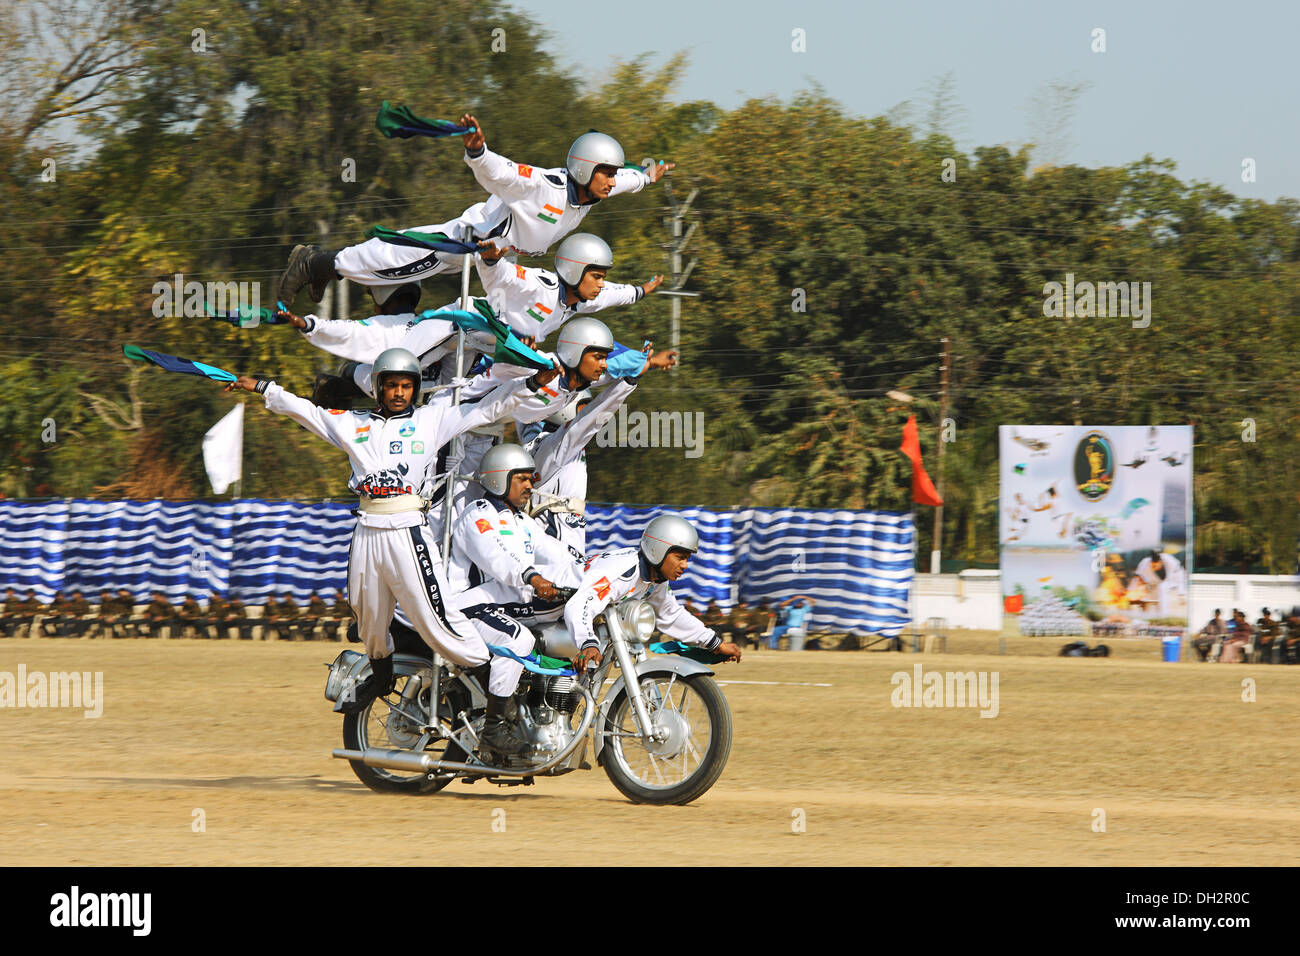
543, 713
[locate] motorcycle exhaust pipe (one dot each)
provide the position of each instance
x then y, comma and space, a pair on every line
390, 759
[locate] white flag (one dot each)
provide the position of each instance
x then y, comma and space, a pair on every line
223, 450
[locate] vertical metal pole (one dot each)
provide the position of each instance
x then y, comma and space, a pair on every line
676, 337
449, 488
937, 552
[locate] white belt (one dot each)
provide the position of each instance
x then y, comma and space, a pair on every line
394, 505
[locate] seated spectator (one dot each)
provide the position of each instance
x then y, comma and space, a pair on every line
743, 625
316, 612
107, 615
213, 623
20, 614
1239, 635
130, 623
190, 617
53, 611
9, 606
158, 614
290, 619
766, 617
74, 617
793, 625
239, 619
1209, 635
342, 612
1291, 639
1267, 631
714, 618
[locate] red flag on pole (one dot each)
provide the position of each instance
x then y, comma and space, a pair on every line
923, 491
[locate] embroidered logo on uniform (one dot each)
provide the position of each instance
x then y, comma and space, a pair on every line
602, 588
407, 430
519, 272
483, 525
394, 447
542, 308
363, 435
417, 448
526, 171
552, 210
337, 411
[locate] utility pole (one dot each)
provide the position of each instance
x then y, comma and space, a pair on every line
678, 211
936, 554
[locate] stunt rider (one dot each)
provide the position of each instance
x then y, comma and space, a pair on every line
530, 209
509, 565
394, 556
642, 573
559, 446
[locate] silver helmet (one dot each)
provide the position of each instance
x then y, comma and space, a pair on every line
382, 293
569, 411
579, 251
390, 362
668, 531
580, 334
497, 466
591, 150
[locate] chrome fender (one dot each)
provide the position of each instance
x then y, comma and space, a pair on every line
352, 667
659, 664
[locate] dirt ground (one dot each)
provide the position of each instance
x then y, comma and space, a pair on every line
238, 736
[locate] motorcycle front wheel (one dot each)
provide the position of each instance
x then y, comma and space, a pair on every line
693, 720
390, 728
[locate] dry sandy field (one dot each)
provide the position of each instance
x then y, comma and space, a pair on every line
218, 753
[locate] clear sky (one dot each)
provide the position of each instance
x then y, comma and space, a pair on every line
1205, 84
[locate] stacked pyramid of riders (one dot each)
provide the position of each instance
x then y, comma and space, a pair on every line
419, 407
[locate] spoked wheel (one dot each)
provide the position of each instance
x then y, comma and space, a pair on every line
693, 729
393, 723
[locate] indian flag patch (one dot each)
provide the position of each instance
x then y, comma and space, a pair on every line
543, 309
552, 210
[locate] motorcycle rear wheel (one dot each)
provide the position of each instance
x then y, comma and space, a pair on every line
697, 719
378, 725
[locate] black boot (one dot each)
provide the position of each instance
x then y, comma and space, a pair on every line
308, 266
498, 734
378, 684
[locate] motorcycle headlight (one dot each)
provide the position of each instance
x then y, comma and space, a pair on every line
639, 619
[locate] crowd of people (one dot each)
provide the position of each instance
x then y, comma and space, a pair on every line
118, 615
1270, 640
762, 624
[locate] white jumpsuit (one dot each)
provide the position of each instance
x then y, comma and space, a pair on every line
394, 556
561, 459
495, 551
614, 575
530, 208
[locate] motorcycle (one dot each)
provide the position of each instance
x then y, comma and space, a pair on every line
662, 731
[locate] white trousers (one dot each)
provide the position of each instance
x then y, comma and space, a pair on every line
376, 262
387, 565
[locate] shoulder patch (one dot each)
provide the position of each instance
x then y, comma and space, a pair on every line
525, 170
337, 411
520, 272
601, 588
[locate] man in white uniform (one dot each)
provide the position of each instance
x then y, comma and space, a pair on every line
536, 302
1164, 577
530, 210
560, 450
393, 556
642, 574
